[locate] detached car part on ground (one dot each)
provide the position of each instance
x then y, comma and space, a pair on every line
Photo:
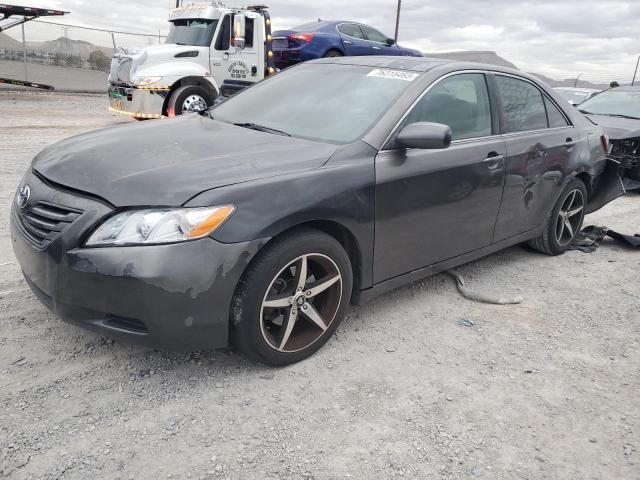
254, 224
617, 111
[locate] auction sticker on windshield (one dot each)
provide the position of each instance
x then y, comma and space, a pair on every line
394, 74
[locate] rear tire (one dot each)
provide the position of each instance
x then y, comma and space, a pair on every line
333, 54
278, 317
564, 221
189, 99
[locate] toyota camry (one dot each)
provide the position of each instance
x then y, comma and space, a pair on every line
257, 223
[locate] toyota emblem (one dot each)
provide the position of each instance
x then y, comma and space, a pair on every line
22, 198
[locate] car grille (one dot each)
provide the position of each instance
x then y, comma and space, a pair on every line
44, 222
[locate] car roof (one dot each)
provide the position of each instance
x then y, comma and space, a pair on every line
418, 64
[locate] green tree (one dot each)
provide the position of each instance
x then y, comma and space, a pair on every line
99, 61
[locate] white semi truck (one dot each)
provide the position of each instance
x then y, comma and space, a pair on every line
211, 50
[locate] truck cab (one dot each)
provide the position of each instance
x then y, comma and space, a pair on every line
211, 50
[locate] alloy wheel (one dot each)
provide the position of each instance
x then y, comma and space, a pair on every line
301, 303
569, 217
194, 103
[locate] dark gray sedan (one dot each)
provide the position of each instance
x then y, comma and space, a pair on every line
259, 222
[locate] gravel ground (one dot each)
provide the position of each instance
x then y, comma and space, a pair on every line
419, 383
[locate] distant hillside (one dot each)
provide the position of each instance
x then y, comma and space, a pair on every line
492, 58
7, 42
569, 82
68, 46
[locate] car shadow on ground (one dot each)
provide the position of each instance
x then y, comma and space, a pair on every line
145, 358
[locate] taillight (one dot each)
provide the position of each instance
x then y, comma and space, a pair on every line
303, 37
604, 140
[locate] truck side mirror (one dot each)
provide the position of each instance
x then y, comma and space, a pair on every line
239, 31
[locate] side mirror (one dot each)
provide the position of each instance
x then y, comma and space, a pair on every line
425, 135
239, 43
390, 42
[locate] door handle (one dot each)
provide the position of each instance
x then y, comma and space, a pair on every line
569, 143
493, 157
376, 48
347, 42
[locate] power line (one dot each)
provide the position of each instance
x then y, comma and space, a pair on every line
97, 29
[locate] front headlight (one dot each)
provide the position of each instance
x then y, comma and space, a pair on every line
157, 226
144, 81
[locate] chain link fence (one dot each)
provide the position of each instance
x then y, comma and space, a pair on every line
69, 58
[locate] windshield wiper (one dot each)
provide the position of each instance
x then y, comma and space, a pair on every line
619, 115
261, 128
622, 116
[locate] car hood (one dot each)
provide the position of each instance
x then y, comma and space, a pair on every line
167, 162
617, 128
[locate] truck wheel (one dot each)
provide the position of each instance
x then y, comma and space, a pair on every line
189, 99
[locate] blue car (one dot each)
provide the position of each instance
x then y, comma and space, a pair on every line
332, 39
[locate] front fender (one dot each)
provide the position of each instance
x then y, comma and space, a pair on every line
341, 193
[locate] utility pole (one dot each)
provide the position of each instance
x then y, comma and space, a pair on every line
576, 82
633, 82
398, 19
24, 55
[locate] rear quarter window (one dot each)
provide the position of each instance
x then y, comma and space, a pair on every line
556, 117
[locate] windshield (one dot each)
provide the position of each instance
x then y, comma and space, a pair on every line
614, 102
197, 33
320, 102
574, 96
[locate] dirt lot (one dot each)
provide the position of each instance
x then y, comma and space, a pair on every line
547, 389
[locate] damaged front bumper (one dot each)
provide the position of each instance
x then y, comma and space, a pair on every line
138, 102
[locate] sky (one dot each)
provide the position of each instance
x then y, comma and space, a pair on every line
559, 38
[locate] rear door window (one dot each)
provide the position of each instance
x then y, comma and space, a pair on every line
461, 102
248, 32
522, 104
351, 30
373, 34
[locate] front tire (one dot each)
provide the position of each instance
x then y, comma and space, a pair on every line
189, 99
292, 298
565, 220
